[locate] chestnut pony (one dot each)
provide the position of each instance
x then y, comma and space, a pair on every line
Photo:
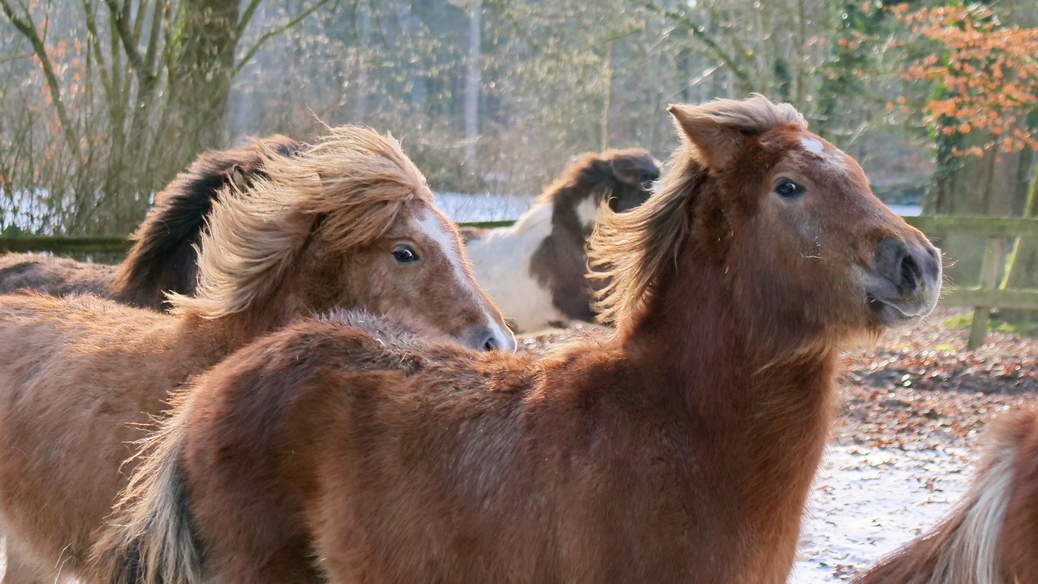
536, 270
347, 224
991, 537
680, 449
163, 256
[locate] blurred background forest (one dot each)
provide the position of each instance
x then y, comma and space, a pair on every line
102, 102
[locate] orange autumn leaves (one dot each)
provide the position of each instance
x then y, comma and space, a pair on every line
988, 72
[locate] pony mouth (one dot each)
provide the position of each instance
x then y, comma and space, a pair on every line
888, 312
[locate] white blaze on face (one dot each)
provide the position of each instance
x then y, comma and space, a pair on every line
831, 155
812, 145
434, 227
587, 212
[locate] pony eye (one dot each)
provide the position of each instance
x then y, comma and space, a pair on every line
788, 189
405, 254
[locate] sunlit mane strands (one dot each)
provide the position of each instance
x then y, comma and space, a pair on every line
163, 257
357, 183
661, 454
81, 378
346, 163
629, 251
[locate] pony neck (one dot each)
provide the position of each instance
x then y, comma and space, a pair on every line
233, 331
758, 416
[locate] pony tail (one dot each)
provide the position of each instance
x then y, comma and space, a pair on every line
964, 547
149, 538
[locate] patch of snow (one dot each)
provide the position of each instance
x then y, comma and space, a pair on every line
866, 502
907, 210
463, 208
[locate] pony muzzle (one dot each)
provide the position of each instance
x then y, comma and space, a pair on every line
906, 281
487, 338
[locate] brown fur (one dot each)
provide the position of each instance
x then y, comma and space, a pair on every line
80, 377
163, 256
679, 450
991, 537
53, 275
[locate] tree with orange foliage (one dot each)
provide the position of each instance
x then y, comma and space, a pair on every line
988, 75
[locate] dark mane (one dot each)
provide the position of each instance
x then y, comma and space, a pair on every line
164, 255
601, 173
354, 182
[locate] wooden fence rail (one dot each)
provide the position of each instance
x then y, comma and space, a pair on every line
989, 293
984, 297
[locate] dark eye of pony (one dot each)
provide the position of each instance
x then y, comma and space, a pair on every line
405, 254
788, 189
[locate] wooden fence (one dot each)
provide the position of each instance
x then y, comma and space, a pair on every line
1001, 234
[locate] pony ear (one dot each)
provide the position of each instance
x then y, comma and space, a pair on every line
717, 143
237, 178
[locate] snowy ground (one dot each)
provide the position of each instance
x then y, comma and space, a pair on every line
869, 501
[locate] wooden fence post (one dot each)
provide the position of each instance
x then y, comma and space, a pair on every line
990, 268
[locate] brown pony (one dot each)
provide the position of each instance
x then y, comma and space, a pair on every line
991, 537
679, 450
536, 271
349, 223
163, 257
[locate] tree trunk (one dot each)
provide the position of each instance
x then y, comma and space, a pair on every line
473, 81
199, 84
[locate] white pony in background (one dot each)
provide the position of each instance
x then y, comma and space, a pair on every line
536, 270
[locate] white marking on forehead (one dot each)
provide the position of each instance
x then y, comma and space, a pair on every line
587, 212
812, 145
833, 156
435, 229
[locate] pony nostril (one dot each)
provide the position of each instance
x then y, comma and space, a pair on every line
482, 338
490, 344
911, 273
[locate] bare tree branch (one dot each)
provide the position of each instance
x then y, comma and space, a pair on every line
246, 16
269, 34
699, 33
122, 25
27, 28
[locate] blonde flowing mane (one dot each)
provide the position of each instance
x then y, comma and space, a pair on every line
629, 250
350, 187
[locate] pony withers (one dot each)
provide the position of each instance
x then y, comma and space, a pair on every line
347, 224
991, 536
679, 449
536, 271
163, 256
